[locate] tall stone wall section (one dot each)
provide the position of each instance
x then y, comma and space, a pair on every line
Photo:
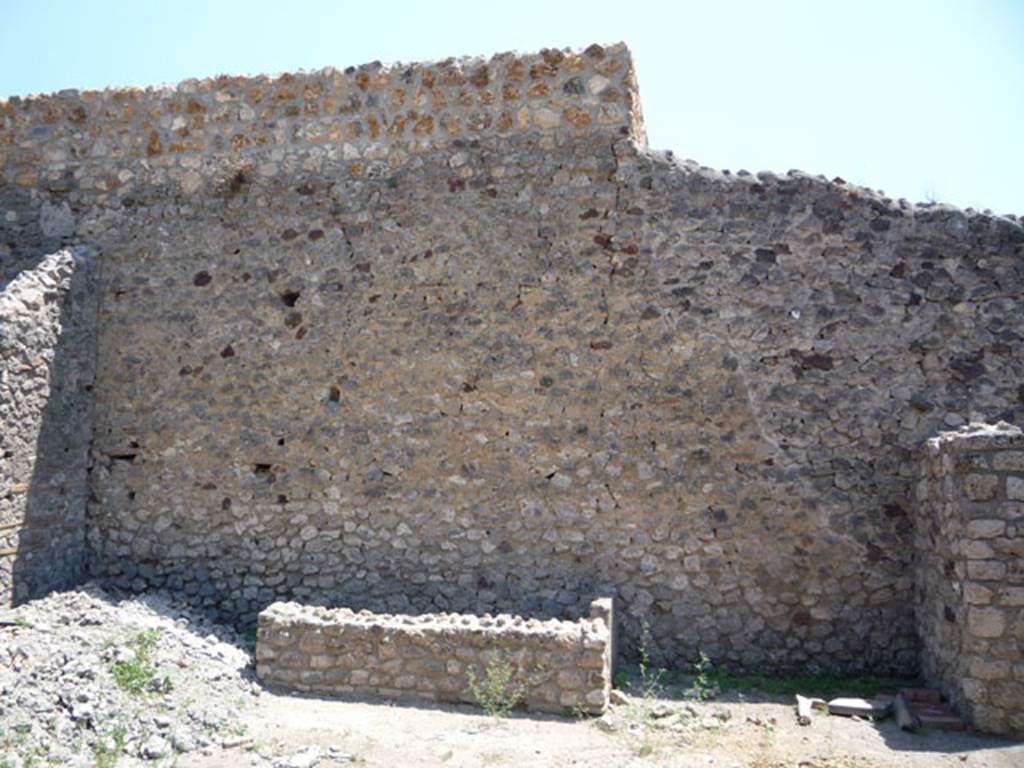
47, 356
506, 358
544, 666
970, 573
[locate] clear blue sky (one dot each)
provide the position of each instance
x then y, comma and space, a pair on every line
921, 98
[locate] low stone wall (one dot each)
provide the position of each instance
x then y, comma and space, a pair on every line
970, 573
561, 665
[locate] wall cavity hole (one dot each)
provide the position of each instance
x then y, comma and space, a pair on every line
334, 395
225, 504
282, 499
289, 297
280, 441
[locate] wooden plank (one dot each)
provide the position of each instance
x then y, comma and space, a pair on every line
11, 551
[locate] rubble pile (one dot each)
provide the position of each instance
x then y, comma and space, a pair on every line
88, 678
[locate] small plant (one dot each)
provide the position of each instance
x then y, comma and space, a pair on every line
639, 716
650, 680
702, 681
620, 681
501, 687
22, 623
134, 674
108, 750
765, 747
576, 712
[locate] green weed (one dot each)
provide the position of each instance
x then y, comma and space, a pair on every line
638, 717
650, 679
823, 685
135, 674
501, 687
108, 750
702, 680
620, 681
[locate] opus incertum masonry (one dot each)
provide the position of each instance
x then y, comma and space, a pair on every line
449, 338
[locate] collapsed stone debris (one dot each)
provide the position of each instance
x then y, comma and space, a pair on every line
62, 701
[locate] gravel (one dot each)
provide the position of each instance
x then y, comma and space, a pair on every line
89, 678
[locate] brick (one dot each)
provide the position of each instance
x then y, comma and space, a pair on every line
1011, 596
986, 570
976, 550
1011, 511
1008, 460
1007, 694
984, 529
986, 622
976, 691
921, 695
981, 487
976, 594
989, 669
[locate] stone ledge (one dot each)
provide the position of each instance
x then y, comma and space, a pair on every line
561, 665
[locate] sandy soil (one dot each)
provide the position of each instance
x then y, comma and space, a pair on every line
286, 730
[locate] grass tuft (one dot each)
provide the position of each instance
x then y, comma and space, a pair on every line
134, 674
823, 685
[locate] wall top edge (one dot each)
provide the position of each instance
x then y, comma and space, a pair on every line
593, 89
978, 436
297, 613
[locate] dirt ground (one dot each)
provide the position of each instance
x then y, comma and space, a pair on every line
192, 699
288, 731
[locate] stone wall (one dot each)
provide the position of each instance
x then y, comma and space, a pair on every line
970, 573
510, 359
105, 153
556, 666
47, 357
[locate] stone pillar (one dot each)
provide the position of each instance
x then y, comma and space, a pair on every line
969, 541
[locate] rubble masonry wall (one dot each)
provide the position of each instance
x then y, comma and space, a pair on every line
47, 359
448, 337
557, 666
